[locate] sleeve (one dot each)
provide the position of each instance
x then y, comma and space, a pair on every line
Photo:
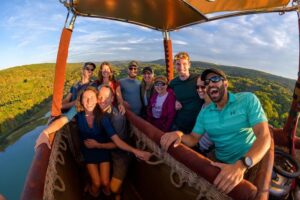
71, 113
171, 111
149, 109
256, 113
106, 123
199, 125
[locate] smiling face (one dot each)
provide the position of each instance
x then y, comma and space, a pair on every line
160, 87
89, 100
183, 67
105, 98
148, 77
201, 89
132, 71
216, 90
87, 71
106, 71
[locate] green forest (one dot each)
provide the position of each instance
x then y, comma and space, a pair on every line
25, 91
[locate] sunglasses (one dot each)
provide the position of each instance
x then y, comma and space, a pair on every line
159, 84
89, 69
214, 79
132, 68
200, 86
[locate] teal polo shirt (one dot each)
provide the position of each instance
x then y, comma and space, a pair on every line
231, 128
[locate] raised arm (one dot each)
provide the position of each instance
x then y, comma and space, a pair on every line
55, 126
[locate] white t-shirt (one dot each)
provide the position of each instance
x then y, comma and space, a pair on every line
157, 108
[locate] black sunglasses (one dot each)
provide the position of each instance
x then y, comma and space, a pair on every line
89, 69
159, 84
200, 86
214, 79
132, 68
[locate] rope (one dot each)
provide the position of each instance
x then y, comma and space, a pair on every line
62, 186
185, 175
157, 162
53, 182
180, 181
140, 144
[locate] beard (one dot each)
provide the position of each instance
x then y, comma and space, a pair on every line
216, 94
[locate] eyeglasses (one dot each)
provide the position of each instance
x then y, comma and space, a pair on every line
89, 69
214, 79
132, 68
202, 87
159, 84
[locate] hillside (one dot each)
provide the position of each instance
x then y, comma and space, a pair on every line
26, 89
241, 72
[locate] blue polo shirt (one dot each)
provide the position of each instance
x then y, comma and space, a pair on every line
230, 129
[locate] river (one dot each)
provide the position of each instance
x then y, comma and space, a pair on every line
15, 162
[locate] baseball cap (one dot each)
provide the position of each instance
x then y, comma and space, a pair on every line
213, 70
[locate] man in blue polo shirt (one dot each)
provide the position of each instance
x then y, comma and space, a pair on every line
236, 124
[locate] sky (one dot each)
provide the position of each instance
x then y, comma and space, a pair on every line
30, 33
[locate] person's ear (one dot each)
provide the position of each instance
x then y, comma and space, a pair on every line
226, 83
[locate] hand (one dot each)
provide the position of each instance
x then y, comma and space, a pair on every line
168, 138
121, 109
43, 138
178, 105
143, 155
229, 176
91, 144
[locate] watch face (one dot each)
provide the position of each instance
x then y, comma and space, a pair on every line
248, 161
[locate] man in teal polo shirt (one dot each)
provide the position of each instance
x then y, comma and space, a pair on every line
236, 124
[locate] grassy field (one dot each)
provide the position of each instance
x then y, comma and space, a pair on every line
25, 91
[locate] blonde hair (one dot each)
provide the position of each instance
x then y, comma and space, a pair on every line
182, 55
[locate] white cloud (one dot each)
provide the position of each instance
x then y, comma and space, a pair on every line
32, 30
179, 42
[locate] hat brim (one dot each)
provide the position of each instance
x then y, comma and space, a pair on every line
214, 71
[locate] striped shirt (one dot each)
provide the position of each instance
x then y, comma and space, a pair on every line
230, 129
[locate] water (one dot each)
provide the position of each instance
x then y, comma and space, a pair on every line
15, 162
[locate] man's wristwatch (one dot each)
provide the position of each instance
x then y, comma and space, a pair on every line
247, 161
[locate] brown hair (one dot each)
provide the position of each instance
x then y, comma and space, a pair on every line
97, 111
88, 63
111, 77
79, 105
